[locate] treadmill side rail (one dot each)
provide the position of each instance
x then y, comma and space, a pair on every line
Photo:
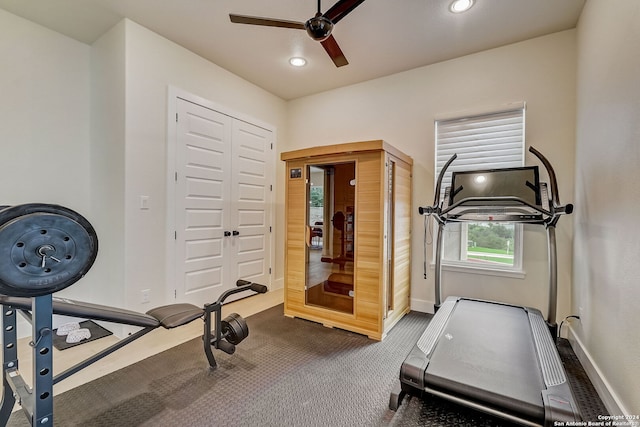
559, 404
550, 363
432, 333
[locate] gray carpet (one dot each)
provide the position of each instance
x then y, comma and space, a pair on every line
288, 372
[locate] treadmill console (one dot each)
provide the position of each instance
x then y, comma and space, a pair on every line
509, 194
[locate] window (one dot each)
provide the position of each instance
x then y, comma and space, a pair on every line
482, 141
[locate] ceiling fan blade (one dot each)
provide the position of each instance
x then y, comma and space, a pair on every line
267, 22
341, 9
332, 48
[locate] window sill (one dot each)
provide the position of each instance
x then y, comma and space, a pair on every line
488, 271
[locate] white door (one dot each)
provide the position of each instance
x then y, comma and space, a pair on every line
222, 203
251, 192
202, 203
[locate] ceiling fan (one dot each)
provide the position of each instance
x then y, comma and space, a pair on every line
319, 27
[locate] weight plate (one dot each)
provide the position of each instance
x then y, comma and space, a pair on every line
43, 249
234, 328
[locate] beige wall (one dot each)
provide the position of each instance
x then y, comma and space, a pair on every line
44, 115
606, 290
401, 109
105, 281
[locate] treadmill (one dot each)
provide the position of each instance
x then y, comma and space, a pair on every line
497, 358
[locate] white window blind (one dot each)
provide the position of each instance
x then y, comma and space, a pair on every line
481, 141
486, 141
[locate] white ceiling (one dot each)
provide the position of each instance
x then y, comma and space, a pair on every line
380, 37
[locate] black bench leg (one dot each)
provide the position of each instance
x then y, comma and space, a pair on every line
207, 339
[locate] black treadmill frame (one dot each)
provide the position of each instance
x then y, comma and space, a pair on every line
558, 401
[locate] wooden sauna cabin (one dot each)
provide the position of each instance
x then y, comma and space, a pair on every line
348, 236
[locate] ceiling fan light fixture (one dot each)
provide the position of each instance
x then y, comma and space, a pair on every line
459, 6
298, 61
319, 28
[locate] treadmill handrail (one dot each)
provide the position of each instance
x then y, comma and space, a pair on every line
552, 175
518, 200
436, 195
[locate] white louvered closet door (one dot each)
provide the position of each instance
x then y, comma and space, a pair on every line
222, 202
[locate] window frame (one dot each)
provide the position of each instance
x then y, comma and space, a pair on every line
463, 265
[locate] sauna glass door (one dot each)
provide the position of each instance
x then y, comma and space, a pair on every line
330, 236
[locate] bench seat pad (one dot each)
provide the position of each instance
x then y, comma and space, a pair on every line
174, 315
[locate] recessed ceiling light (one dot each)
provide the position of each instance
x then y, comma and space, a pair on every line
459, 6
298, 61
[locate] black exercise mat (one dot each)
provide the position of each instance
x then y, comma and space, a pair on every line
97, 331
288, 372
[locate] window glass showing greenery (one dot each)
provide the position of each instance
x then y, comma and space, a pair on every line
489, 140
490, 242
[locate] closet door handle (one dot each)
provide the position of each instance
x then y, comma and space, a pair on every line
227, 233
236, 232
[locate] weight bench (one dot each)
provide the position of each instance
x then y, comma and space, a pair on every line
46, 248
226, 334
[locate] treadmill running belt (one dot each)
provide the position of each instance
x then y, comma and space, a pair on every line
486, 352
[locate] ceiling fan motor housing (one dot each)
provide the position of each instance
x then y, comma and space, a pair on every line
319, 28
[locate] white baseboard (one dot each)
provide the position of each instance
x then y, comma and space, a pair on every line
422, 306
602, 386
277, 284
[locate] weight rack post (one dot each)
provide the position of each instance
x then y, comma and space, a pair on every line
9, 362
42, 351
36, 402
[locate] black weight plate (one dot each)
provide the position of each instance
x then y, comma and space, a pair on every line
237, 335
27, 232
242, 323
234, 328
231, 331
